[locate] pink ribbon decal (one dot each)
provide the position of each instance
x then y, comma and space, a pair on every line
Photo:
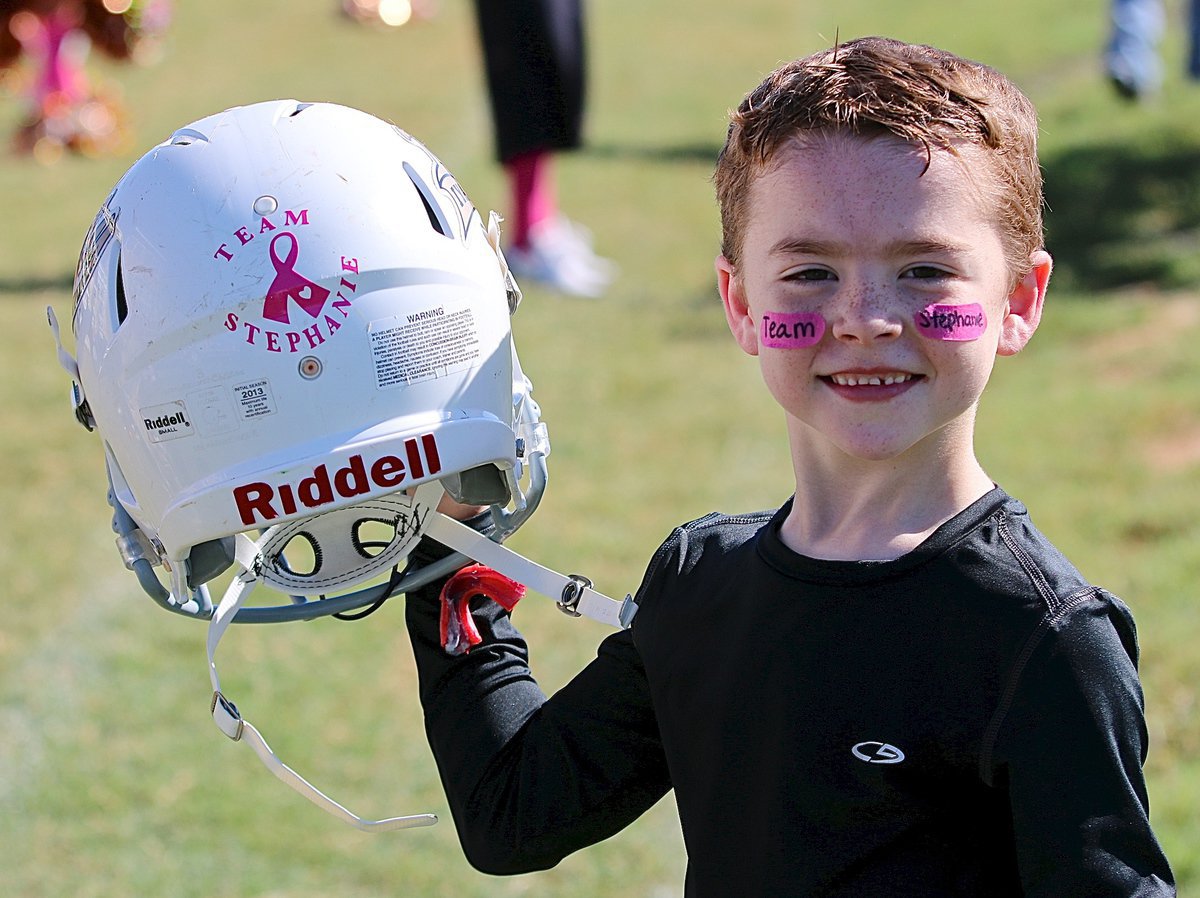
954, 323
288, 285
791, 330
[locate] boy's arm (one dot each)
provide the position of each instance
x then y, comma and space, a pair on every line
530, 780
1072, 748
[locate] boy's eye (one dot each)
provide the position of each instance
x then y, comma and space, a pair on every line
925, 272
811, 274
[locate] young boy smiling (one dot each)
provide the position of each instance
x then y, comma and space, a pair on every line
865, 231
893, 685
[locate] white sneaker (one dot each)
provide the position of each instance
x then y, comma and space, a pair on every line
560, 256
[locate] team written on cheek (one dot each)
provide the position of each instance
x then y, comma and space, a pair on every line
291, 340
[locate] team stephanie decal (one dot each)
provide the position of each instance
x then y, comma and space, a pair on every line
260, 502
298, 314
953, 323
791, 330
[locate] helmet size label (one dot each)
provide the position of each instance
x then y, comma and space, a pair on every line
423, 345
260, 502
168, 421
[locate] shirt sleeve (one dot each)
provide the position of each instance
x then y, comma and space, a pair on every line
1071, 748
529, 779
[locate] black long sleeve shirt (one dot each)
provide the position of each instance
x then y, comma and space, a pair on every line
964, 720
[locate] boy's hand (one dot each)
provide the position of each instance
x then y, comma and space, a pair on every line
457, 510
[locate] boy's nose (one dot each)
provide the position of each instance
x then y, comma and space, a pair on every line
864, 317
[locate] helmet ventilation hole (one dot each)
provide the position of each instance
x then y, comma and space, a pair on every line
437, 218
185, 137
122, 303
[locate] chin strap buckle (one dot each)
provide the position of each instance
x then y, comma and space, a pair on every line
225, 715
572, 593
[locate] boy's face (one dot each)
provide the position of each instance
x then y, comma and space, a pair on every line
857, 237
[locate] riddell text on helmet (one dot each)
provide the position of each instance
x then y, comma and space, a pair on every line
260, 502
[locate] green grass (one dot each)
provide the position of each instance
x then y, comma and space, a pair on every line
113, 780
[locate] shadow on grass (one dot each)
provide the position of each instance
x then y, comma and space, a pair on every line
704, 153
1123, 215
36, 284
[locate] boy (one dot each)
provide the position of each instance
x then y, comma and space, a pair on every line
893, 685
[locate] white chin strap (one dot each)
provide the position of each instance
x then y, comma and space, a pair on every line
573, 594
230, 722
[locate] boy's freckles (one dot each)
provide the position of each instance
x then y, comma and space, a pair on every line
867, 234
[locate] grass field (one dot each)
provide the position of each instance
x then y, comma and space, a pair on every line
113, 780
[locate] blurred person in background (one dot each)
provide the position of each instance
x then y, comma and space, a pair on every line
534, 62
1132, 60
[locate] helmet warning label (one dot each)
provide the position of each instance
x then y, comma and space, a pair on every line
423, 345
168, 421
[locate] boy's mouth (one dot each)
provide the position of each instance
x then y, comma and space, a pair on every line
870, 380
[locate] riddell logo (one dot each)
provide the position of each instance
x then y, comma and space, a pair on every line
163, 421
260, 502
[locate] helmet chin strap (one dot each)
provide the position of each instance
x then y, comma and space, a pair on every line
572, 593
230, 721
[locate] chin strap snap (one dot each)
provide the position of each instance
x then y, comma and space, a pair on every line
79, 404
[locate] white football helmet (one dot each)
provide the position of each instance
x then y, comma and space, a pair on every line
284, 311
292, 336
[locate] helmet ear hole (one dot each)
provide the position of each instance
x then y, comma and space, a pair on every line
484, 485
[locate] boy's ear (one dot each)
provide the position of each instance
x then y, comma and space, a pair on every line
1023, 310
737, 309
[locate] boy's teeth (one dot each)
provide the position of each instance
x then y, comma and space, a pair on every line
873, 380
